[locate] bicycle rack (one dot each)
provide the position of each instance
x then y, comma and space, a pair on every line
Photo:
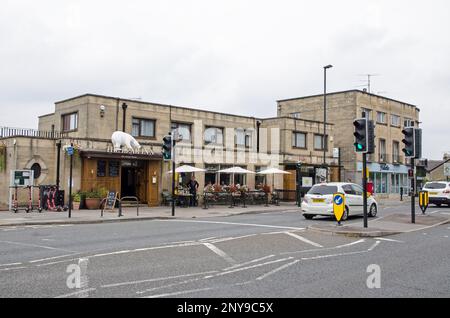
128, 199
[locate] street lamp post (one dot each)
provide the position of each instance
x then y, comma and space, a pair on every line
324, 140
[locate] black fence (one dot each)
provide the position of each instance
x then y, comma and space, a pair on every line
6, 132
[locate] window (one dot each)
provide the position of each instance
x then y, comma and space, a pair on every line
184, 130
37, 170
299, 140
382, 151
381, 118
213, 135
357, 189
318, 142
395, 152
348, 189
366, 113
243, 138
395, 120
295, 115
70, 122
143, 128
408, 122
323, 190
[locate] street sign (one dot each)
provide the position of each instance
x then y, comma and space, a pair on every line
424, 200
338, 206
447, 169
70, 151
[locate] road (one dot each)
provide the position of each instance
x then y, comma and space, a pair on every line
257, 255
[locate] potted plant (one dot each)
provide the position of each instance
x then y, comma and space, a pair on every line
93, 199
76, 200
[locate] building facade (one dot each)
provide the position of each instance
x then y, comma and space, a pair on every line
210, 140
388, 167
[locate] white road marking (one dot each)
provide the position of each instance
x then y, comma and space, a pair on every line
40, 246
249, 267
351, 244
433, 212
179, 293
112, 253
165, 246
332, 255
59, 262
221, 253
11, 268
277, 270
76, 293
51, 258
207, 239
155, 279
12, 264
373, 246
388, 240
305, 240
250, 262
324, 249
226, 239
239, 224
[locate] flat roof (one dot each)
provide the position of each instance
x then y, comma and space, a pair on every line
348, 91
156, 104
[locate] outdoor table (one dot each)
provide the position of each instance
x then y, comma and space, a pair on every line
184, 199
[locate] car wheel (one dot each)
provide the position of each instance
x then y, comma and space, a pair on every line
308, 216
438, 205
345, 215
373, 211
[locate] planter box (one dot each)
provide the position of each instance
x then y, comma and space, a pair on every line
76, 205
93, 204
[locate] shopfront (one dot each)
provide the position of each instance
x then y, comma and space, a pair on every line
128, 174
387, 178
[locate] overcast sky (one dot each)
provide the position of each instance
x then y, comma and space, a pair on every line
229, 56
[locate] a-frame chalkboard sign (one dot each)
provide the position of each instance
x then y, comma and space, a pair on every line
111, 200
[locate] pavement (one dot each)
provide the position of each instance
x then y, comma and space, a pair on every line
384, 226
130, 214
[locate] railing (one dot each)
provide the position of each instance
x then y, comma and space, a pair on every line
6, 132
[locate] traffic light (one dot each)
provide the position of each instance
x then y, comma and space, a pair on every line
361, 135
409, 142
418, 143
167, 148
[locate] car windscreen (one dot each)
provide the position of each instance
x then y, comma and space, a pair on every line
435, 185
323, 190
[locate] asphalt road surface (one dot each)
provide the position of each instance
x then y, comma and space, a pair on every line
259, 255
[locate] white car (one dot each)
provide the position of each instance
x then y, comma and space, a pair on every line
319, 200
439, 192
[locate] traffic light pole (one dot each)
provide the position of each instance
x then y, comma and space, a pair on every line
413, 194
366, 225
173, 176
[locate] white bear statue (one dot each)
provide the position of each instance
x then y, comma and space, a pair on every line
119, 139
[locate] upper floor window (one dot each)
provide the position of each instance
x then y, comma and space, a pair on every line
299, 140
319, 143
295, 115
395, 120
366, 113
381, 118
395, 152
408, 122
184, 130
382, 150
70, 122
214, 135
243, 138
143, 128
